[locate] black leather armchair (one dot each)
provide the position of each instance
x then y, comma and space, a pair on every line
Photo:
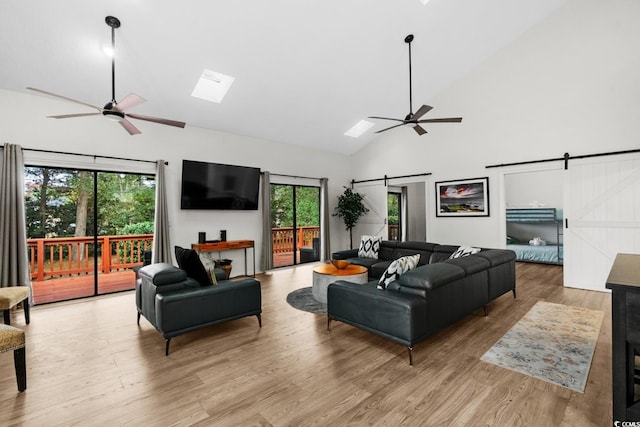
176, 304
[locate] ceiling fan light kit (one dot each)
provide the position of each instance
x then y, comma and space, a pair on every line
113, 110
411, 118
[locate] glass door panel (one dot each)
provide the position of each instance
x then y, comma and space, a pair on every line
394, 216
59, 210
126, 204
295, 224
307, 224
81, 244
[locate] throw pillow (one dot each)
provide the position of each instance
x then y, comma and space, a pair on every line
464, 251
212, 276
398, 267
189, 261
369, 246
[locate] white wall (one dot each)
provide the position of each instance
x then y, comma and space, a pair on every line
568, 84
526, 188
24, 122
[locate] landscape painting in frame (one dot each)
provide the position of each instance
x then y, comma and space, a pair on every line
468, 197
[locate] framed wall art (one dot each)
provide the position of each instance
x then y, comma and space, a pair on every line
465, 197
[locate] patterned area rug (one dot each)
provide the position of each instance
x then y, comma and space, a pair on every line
552, 342
302, 299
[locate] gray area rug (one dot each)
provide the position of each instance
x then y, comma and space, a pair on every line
302, 299
552, 342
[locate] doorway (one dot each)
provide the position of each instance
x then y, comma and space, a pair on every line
394, 214
295, 224
86, 230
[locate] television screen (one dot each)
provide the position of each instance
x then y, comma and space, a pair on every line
218, 186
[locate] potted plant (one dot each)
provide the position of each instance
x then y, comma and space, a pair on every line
350, 208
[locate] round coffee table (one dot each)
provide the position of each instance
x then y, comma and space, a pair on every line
325, 274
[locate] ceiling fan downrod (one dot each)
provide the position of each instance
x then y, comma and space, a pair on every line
114, 23
408, 40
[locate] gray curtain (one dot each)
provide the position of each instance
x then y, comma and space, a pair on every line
325, 251
14, 256
161, 245
404, 212
266, 259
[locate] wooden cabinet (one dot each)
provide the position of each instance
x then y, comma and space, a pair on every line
624, 282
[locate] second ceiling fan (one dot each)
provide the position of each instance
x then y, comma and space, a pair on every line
411, 118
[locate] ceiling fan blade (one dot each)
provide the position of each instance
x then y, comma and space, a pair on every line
129, 101
447, 120
421, 112
419, 130
157, 120
68, 116
386, 118
44, 92
130, 127
394, 126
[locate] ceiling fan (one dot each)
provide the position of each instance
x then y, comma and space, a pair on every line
113, 110
411, 118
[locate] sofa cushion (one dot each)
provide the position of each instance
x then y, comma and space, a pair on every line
387, 249
442, 252
497, 256
189, 261
378, 268
464, 251
369, 247
397, 268
431, 276
470, 264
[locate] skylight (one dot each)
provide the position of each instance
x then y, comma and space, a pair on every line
212, 86
359, 128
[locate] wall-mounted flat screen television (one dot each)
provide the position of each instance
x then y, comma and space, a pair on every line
218, 186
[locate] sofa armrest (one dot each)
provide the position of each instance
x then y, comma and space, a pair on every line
393, 315
161, 274
348, 253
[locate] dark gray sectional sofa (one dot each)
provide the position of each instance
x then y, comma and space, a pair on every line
422, 301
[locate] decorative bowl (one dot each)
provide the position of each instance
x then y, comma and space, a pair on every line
339, 263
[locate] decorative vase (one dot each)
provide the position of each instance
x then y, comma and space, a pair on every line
223, 264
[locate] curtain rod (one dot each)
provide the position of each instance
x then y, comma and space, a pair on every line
566, 157
95, 156
353, 181
291, 176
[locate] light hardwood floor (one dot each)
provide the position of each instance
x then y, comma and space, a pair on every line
90, 364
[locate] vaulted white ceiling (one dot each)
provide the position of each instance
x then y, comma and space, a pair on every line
305, 71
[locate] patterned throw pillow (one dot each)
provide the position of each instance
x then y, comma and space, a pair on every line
398, 267
369, 246
464, 251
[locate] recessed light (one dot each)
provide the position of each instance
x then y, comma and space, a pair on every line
212, 86
424, 2
359, 128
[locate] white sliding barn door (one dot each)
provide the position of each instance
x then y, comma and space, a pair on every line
602, 206
374, 223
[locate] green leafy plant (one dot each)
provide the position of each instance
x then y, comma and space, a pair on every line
350, 208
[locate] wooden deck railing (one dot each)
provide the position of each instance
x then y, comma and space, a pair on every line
66, 256
282, 238
393, 232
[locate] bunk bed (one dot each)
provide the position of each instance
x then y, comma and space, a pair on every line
551, 220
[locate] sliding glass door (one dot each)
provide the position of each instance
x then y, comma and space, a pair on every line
295, 223
86, 230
